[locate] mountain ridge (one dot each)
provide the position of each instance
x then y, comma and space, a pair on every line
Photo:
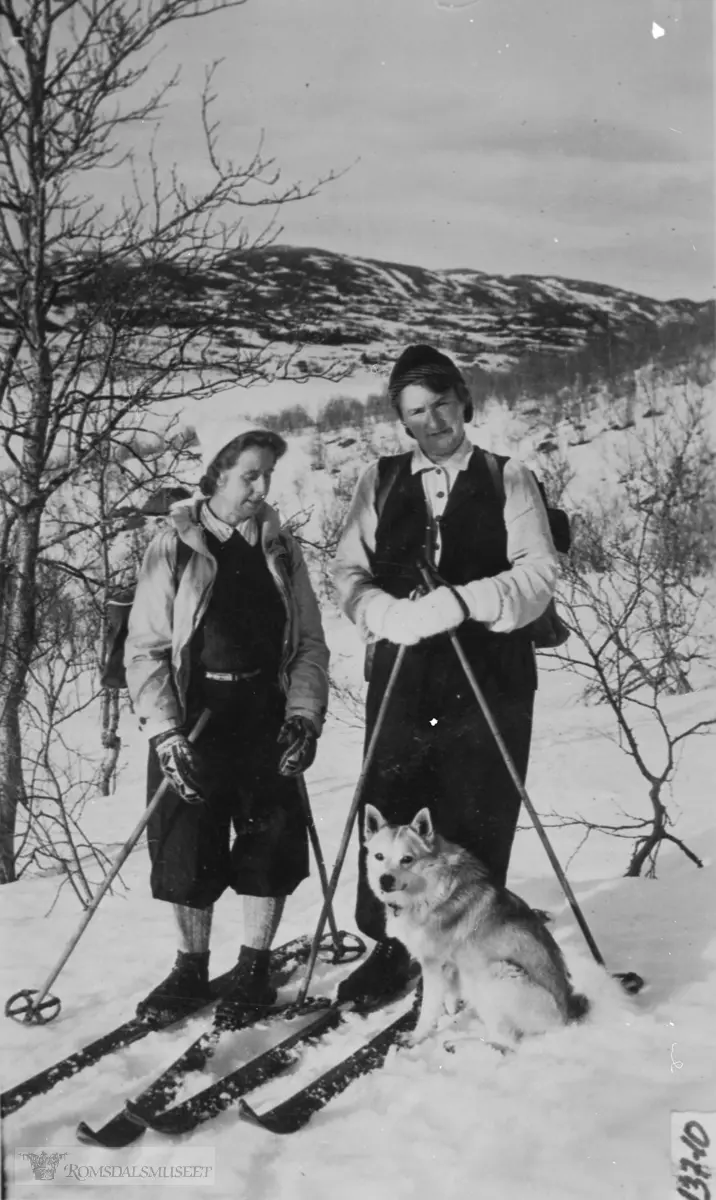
318, 307
485, 319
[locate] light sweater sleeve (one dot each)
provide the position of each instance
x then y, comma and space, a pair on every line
352, 572
515, 597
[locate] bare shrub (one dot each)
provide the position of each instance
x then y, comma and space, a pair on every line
340, 412
638, 601
378, 407
288, 420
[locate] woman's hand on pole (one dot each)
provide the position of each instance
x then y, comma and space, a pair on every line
180, 764
297, 745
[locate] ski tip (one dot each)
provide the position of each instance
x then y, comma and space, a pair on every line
285, 1118
247, 1113
86, 1135
122, 1130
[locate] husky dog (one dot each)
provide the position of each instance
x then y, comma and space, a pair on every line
475, 942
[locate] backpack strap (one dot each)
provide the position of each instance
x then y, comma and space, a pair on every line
388, 471
558, 519
495, 475
498, 479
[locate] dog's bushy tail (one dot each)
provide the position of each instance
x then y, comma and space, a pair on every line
577, 1006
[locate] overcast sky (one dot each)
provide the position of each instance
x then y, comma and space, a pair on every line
511, 136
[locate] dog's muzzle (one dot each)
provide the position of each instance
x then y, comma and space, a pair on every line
387, 883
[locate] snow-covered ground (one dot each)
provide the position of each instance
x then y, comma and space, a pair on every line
584, 1112
580, 1113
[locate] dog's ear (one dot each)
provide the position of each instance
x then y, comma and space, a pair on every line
422, 824
373, 821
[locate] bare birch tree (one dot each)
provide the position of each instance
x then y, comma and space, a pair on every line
92, 335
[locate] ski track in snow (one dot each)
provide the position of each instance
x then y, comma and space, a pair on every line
581, 1113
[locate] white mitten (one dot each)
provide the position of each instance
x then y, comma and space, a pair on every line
386, 617
437, 612
406, 622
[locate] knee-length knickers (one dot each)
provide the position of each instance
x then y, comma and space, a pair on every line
193, 855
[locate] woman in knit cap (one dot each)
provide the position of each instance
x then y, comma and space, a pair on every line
498, 568
225, 618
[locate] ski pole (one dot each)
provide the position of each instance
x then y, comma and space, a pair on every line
630, 980
318, 855
344, 944
33, 1011
343, 848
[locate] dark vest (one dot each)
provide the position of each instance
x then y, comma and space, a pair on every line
472, 528
243, 626
474, 546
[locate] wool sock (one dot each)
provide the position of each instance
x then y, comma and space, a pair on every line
194, 927
262, 915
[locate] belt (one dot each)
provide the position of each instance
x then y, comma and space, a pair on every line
232, 676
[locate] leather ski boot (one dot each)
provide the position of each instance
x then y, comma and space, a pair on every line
185, 989
251, 988
383, 975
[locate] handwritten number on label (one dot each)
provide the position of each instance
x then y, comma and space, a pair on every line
695, 1131
688, 1164
690, 1186
696, 1151
696, 1187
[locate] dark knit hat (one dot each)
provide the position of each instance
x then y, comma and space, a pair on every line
427, 366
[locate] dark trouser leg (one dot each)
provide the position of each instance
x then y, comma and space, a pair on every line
476, 802
437, 750
387, 785
397, 764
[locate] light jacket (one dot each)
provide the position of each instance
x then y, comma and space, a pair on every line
164, 619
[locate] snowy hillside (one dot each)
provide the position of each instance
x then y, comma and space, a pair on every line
322, 311
367, 307
582, 1113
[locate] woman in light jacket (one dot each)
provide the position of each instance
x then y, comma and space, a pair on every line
225, 618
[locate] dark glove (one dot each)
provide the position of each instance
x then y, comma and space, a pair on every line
180, 763
297, 743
